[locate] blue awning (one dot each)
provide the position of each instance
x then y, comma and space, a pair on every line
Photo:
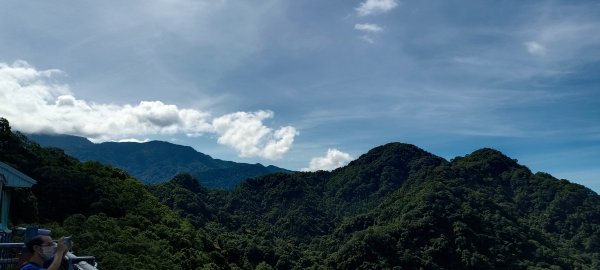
14, 178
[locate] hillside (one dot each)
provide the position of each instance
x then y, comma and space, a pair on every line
395, 207
110, 214
157, 161
400, 206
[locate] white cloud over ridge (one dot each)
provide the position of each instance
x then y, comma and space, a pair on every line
368, 27
134, 140
246, 133
35, 103
370, 7
332, 160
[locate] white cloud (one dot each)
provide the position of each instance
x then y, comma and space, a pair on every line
332, 160
368, 27
134, 140
367, 39
535, 48
375, 7
280, 143
246, 133
35, 103
370, 30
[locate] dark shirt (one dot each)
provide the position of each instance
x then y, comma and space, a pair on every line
31, 266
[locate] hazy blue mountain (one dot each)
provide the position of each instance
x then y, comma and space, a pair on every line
157, 161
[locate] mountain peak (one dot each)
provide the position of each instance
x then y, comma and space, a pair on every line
487, 160
400, 152
491, 154
381, 171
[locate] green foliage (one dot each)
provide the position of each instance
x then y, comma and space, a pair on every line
110, 215
185, 195
396, 207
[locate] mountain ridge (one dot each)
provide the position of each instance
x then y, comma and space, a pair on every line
408, 209
157, 161
398, 205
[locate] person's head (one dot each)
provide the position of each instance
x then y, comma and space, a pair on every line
41, 245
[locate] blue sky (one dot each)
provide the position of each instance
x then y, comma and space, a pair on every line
312, 84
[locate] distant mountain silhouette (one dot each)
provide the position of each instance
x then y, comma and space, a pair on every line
157, 161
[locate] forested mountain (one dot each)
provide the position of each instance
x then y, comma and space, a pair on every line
110, 214
399, 207
395, 207
157, 161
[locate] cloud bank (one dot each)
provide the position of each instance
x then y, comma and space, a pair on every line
332, 160
35, 102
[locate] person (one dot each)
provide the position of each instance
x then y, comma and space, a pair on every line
42, 248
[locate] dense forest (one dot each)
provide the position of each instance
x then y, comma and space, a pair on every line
395, 207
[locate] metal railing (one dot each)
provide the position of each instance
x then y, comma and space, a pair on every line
9, 255
80, 262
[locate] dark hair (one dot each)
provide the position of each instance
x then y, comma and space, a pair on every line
36, 241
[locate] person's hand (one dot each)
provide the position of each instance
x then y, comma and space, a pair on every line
61, 248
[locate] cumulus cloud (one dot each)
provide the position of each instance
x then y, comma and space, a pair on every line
370, 7
368, 27
246, 133
535, 48
332, 160
35, 103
